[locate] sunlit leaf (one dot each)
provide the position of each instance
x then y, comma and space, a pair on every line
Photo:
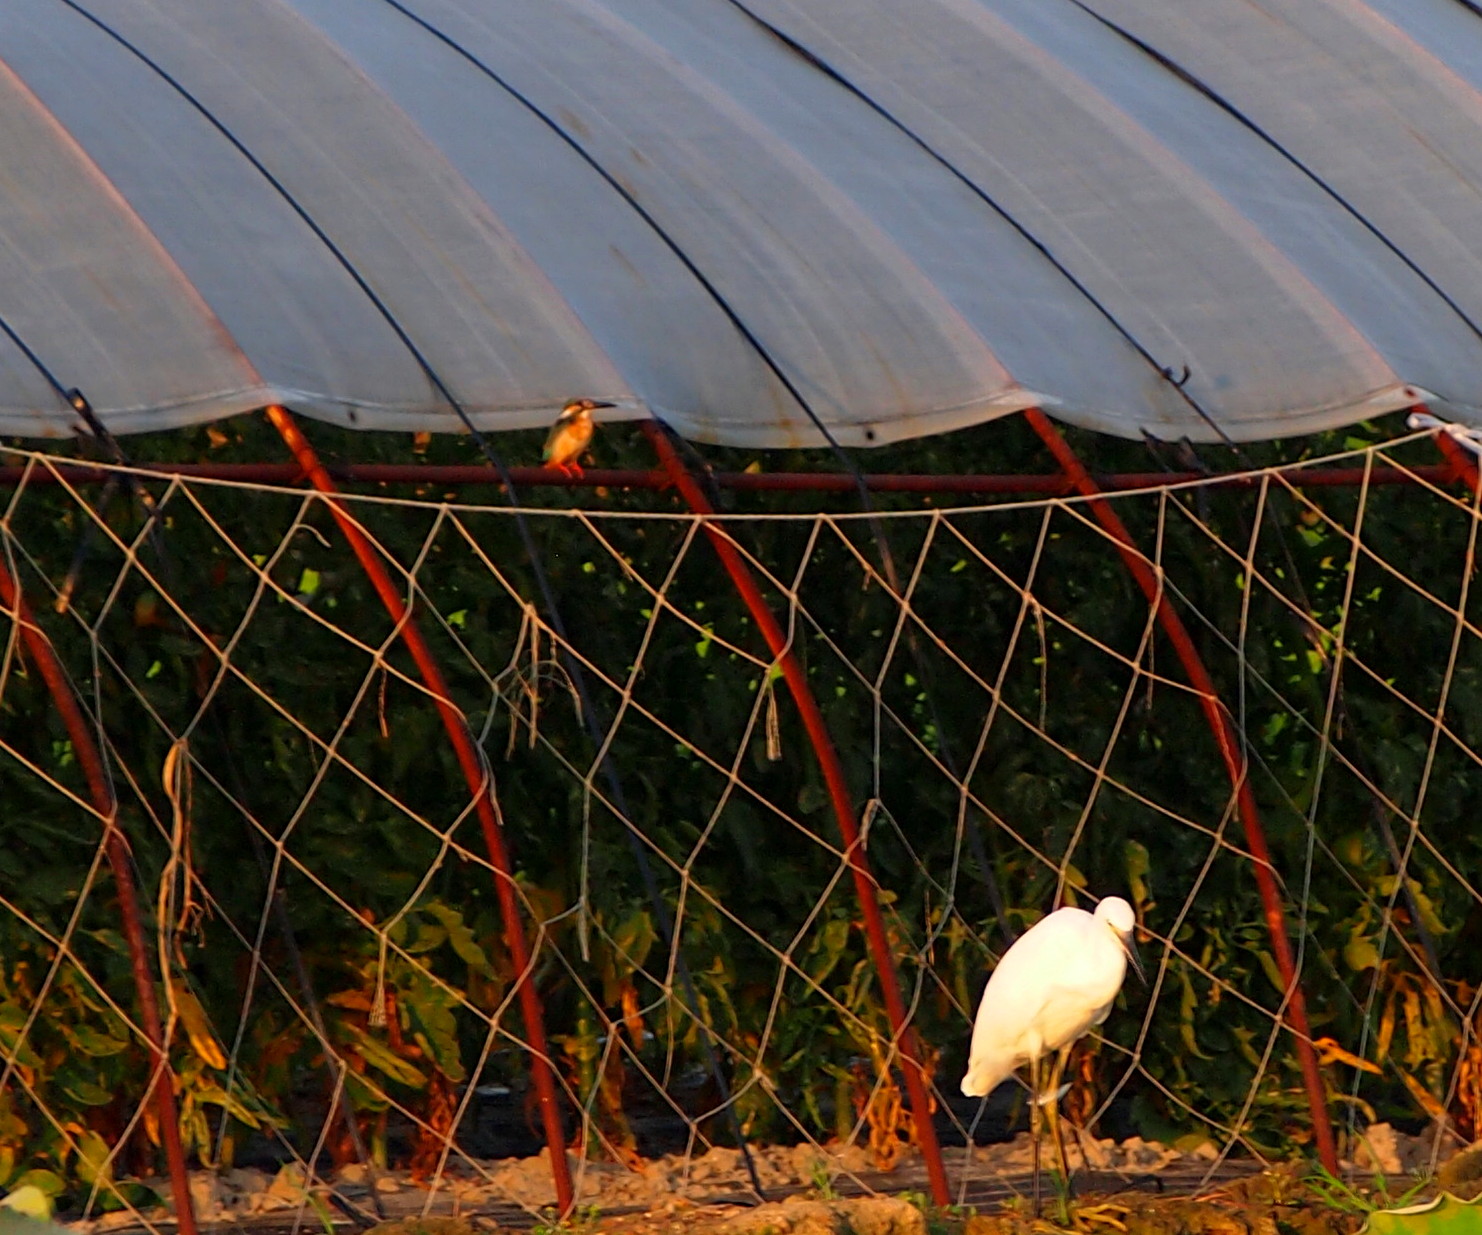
1445, 1215
92, 1158
381, 1057
48, 1181
196, 1024
1360, 953
1138, 863
460, 937
1422, 1095
1329, 1051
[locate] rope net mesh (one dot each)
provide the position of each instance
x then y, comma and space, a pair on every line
337, 984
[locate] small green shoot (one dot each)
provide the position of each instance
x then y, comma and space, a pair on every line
580, 1221
943, 1220
321, 1211
1341, 1195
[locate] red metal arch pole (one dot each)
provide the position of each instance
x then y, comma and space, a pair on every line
838, 789
162, 1078
473, 773
1227, 739
1463, 462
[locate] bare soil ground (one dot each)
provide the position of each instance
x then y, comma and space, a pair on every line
1131, 1188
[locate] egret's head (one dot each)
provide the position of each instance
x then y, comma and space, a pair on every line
582, 407
1119, 918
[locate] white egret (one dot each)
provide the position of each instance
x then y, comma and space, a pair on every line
1055, 982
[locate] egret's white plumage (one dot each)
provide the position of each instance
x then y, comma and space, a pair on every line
1057, 980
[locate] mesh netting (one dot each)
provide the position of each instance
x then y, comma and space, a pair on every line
339, 989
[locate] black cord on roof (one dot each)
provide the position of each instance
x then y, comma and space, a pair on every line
1039, 245
1214, 96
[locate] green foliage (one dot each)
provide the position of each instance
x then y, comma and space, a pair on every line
582, 1220
822, 1178
1445, 1215
1344, 1196
940, 1219
261, 637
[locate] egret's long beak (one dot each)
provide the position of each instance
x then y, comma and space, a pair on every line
1129, 946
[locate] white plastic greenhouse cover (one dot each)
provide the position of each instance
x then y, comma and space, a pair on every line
767, 221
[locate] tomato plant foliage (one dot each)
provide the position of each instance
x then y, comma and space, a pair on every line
1015, 731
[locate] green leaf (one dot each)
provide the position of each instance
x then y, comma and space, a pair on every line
434, 1027
12, 1020
1188, 1005
812, 796
1446, 1215
215, 1095
1138, 863
1427, 910
87, 1092
429, 935
829, 947
1360, 953
92, 1158
460, 937
634, 937
386, 1061
1268, 963
48, 1181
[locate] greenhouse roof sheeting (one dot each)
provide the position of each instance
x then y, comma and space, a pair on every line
770, 222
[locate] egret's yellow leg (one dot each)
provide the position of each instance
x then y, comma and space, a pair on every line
1052, 1097
1034, 1124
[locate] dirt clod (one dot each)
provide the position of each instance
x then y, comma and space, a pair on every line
1461, 1174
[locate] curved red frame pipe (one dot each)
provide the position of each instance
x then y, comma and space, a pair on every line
838, 789
1463, 461
1228, 741
162, 1080
478, 785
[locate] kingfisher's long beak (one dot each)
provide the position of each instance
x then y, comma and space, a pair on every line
1129, 946
596, 403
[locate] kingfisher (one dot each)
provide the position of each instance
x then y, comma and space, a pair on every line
570, 435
